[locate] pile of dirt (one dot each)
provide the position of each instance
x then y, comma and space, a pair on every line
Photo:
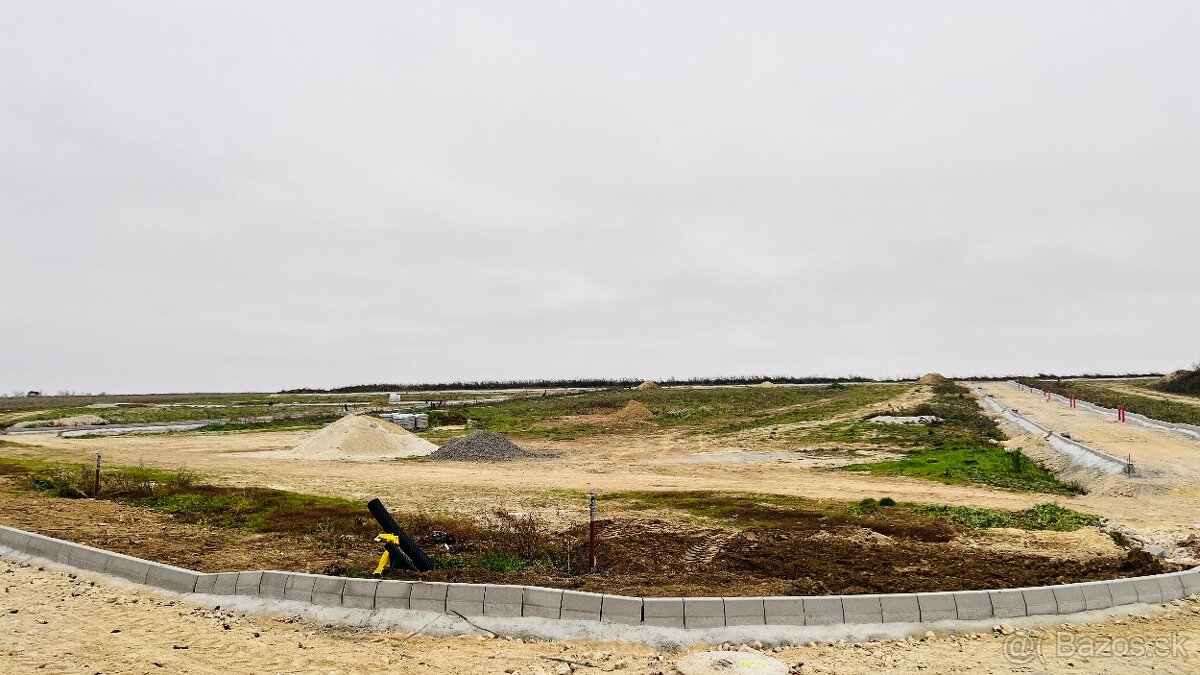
1180, 382
767, 384
358, 437
73, 421
648, 384
932, 378
481, 446
634, 411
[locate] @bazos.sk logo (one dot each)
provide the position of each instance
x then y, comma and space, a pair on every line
1024, 649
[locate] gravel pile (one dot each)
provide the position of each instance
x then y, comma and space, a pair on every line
481, 446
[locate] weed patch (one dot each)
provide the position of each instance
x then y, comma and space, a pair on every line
1040, 517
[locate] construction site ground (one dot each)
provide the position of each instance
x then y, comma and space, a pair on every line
1159, 505
52, 621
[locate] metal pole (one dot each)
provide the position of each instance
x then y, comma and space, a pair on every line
96, 486
592, 532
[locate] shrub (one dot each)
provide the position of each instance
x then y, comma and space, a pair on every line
865, 507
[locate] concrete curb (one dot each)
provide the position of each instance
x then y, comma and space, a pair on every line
1189, 431
496, 600
1077, 452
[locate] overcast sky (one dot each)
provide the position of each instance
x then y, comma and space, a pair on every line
248, 196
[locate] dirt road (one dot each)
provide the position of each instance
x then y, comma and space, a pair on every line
1151, 450
55, 622
1162, 504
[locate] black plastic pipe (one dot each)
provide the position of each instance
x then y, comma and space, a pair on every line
397, 560
422, 562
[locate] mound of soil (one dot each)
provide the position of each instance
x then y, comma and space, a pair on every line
481, 446
648, 384
634, 411
359, 437
1180, 382
767, 384
932, 378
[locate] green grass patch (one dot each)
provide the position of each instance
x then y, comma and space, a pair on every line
156, 415
1040, 517
699, 410
765, 510
971, 463
314, 422
962, 448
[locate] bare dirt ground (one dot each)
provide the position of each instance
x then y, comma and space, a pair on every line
1161, 505
798, 555
65, 624
617, 462
55, 622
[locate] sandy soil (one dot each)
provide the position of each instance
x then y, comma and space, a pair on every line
363, 438
607, 464
55, 622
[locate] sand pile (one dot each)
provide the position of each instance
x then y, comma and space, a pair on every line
358, 437
932, 378
73, 421
481, 446
767, 384
634, 411
648, 384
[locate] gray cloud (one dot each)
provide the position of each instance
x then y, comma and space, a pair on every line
247, 196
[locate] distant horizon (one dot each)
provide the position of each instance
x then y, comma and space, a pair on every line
382, 387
